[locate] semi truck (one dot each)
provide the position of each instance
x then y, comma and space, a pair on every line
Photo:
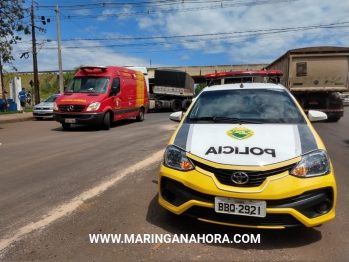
316, 76
170, 90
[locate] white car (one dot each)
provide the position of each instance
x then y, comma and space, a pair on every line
345, 99
45, 108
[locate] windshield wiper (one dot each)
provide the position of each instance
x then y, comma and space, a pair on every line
205, 118
233, 120
224, 119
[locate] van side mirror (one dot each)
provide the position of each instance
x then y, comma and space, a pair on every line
316, 115
176, 116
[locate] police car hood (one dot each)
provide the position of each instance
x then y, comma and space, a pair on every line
247, 144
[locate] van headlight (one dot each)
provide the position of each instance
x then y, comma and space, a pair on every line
315, 163
93, 106
175, 158
55, 107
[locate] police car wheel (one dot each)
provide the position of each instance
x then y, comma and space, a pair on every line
106, 121
140, 116
65, 126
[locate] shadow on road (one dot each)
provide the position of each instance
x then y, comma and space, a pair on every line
269, 239
86, 128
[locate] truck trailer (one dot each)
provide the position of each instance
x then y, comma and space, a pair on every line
170, 90
316, 76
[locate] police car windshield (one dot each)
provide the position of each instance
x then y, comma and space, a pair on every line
247, 105
89, 84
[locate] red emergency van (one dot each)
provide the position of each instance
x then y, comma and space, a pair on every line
99, 95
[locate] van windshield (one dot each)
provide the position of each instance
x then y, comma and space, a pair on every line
89, 84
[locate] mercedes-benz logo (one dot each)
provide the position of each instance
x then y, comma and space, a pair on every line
70, 108
239, 178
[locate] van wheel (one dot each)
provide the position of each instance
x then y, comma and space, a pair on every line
106, 121
176, 105
140, 116
333, 119
65, 126
39, 118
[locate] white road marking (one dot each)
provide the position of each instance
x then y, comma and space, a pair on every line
69, 207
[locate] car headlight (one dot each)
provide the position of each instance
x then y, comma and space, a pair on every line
93, 106
55, 107
315, 163
175, 158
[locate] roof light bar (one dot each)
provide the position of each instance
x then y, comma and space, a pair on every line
239, 74
102, 68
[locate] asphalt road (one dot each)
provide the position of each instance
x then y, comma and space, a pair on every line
58, 187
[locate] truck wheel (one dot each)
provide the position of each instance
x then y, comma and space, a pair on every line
39, 118
140, 116
186, 104
106, 121
65, 126
176, 105
333, 119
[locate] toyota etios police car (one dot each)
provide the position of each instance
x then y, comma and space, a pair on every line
246, 155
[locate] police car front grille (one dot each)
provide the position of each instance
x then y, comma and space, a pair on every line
76, 108
255, 178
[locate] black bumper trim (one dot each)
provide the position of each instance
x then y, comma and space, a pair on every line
81, 119
305, 203
285, 220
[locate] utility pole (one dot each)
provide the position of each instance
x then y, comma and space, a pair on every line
35, 62
61, 88
1, 76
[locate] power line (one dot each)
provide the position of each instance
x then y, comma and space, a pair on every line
269, 30
212, 40
148, 11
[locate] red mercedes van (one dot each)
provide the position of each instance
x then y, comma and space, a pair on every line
99, 95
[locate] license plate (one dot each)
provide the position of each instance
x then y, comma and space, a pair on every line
241, 207
70, 121
41, 112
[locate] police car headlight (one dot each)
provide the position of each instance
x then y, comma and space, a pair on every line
175, 158
55, 107
315, 163
93, 106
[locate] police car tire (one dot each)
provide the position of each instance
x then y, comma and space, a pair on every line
106, 121
140, 116
65, 126
39, 118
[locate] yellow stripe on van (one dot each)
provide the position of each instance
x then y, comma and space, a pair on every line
140, 89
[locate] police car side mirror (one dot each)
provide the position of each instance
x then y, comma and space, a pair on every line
176, 116
316, 115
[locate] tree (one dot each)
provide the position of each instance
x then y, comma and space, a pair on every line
198, 88
12, 13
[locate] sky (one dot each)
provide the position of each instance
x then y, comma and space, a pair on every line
157, 33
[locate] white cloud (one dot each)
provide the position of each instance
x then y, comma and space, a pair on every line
258, 47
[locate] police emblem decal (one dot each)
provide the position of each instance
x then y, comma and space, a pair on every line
240, 133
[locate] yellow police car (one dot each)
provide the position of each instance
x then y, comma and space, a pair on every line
245, 154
